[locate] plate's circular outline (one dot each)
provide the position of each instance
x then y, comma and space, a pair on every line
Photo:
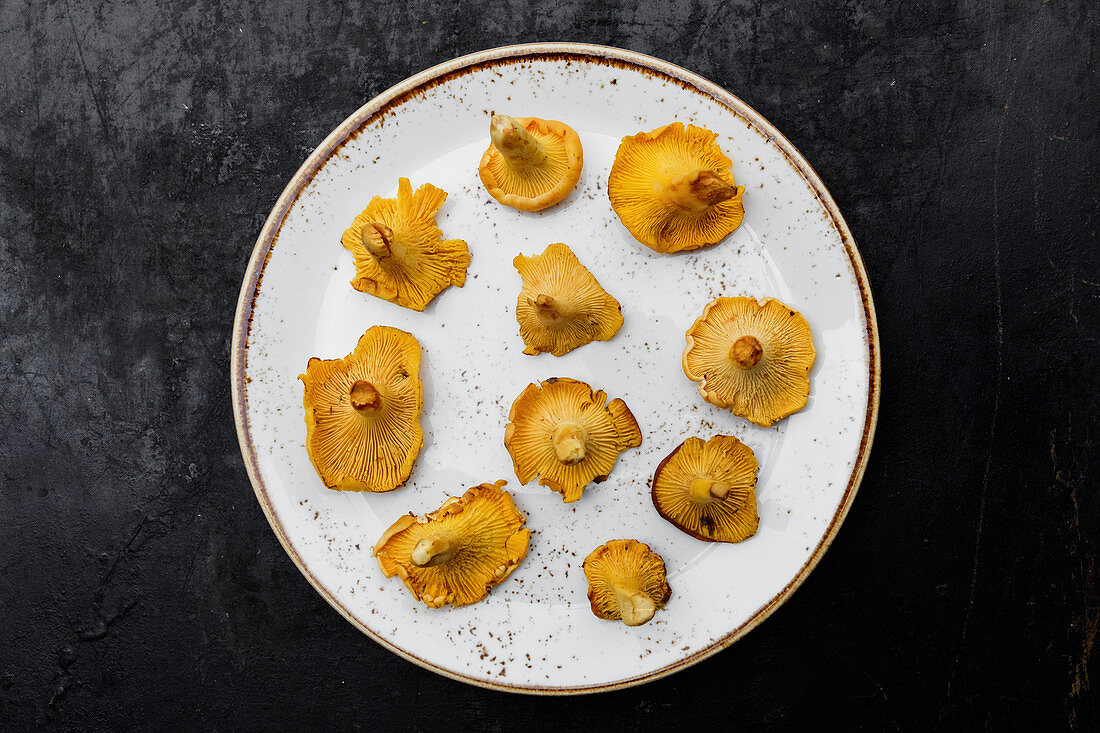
395, 95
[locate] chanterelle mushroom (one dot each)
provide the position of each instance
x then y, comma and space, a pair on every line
709, 489
561, 305
362, 412
673, 190
568, 435
531, 163
626, 582
458, 552
753, 357
400, 254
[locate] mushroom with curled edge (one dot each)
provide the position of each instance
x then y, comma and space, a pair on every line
708, 489
399, 251
531, 163
363, 412
673, 190
561, 305
753, 357
626, 582
459, 552
567, 435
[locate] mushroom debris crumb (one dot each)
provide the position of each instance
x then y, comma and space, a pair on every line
626, 582
362, 412
561, 305
399, 251
457, 553
753, 357
673, 190
567, 435
708, 489
530, 163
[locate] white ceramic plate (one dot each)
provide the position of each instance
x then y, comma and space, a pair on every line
535, 633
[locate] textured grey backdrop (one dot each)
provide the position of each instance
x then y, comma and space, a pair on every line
143, 143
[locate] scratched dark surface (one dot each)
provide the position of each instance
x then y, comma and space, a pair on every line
141, 147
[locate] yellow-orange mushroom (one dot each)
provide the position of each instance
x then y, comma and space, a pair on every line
363, 412
399, 251
531, 163
753, 357
567, 435
626, 582
673, 190
708, 489
457, 553
561, 306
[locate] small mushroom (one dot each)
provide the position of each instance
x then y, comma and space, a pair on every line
531, 163
567, 435
626, 582
561, 305
673, 190
457, 553
708, 489
362, 412
400, 254
753, 357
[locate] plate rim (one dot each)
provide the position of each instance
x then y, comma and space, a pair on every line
432, 76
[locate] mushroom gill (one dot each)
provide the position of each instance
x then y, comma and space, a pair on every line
753, 357
567, 435
531, 163
399, 251
362, 412
626, 582
459, 552
561, 306
673, 190
708, 489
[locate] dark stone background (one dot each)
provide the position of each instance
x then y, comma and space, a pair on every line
142, 145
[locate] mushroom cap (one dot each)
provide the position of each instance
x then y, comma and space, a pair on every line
646, 166
604, 431
626, 566
561, 305
535, 187
487, 541
708, 489
778, 381
365, 449
420, 263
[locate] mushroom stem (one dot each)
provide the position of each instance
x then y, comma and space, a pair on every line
699, 190
519, 147
635, 607
547, 308
746, 352
378, 239
569, 443
365, 396
706, 489
432, 551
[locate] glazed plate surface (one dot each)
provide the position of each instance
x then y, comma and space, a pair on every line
536, 633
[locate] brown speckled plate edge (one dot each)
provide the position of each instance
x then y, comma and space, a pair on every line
380, 105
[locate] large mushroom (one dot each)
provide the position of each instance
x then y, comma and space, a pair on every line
561, 305
531, 163
626, 582
753, 357
673, 190
457, 553
362, 412
567, 435
400, 254
708, 489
